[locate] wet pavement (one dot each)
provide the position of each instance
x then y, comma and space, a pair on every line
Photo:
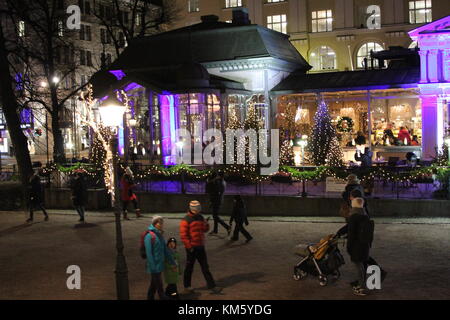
34, 258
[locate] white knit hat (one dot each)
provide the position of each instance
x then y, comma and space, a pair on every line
195, 205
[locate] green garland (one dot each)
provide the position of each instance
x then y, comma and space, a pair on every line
248, 173
350, 123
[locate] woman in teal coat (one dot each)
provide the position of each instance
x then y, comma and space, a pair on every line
157, 253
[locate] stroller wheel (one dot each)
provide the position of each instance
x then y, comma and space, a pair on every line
299, 275
323, 281
336, 275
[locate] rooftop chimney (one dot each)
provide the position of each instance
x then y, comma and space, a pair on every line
240, 16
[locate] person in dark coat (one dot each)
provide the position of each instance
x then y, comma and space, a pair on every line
215, 187
239, 216
357, 247
343, 231
79, 194
365, 158
128, 195
36, 198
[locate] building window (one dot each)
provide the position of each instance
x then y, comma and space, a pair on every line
21, 29
85, 33
323, 58
60, 29
420, 11
82, 57
89, 58
66, 54
277, 23
82, 37
364, 53
233, 3
193, 6
322, 21
413, 45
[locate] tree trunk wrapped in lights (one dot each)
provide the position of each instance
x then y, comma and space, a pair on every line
323, 145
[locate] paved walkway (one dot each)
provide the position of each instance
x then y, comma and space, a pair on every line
34, 258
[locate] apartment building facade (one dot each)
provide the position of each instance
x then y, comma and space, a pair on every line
84, 51
332, 35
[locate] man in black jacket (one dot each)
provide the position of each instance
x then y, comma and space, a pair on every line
79, 194
239, 216
36, 198
358, 243
215, 187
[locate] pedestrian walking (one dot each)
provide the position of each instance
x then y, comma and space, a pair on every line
36, 197
239, 216
215, 187
343, 231
79, 194
172, 276
352, 184
128, 194
157, 253
192, 231
359, 237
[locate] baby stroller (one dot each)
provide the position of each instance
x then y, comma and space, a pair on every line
322, 260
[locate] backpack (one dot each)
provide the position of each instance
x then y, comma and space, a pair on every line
367, 231
142, 243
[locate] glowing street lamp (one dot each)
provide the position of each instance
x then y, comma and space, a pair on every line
111, 113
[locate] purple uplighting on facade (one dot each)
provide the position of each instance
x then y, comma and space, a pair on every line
168, 128
433, 40
119, 74
132, 86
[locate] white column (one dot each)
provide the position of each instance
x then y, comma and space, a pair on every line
429, 126
423, 66
446, 65
433, 65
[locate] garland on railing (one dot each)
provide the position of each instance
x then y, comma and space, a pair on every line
249, 173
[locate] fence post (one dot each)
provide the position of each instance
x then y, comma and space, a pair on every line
183, 187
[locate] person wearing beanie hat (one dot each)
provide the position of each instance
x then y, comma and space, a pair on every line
157, 254
192, 232
172, 276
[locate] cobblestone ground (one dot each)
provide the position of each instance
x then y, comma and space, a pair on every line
34, 258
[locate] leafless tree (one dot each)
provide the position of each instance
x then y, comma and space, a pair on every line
43, 59
126, 20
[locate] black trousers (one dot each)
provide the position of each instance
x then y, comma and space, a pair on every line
37, 205
215, 206
80, 210
156, 285
239, 227
126, 203
197, 253
172, 291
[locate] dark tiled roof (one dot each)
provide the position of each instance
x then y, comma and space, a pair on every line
208, 42
351, 80
159, 79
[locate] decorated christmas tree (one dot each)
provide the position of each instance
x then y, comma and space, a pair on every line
323, 145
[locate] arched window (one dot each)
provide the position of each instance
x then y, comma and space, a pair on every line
413, 45
364, 52
323, 58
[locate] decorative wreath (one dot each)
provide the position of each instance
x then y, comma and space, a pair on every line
345, 124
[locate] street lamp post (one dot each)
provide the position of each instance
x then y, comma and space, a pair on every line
111, 112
